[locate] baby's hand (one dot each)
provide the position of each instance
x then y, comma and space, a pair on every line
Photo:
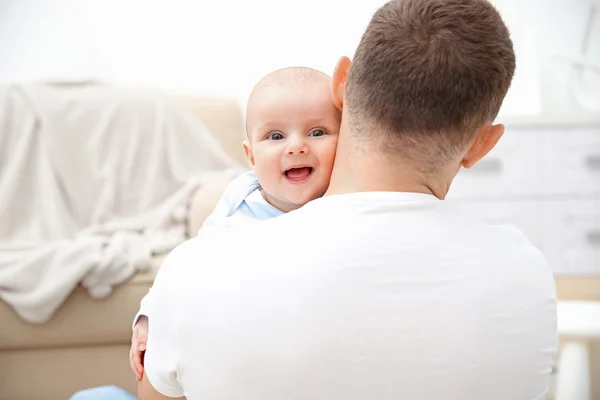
138, 346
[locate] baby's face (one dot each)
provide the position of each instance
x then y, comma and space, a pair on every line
292, 139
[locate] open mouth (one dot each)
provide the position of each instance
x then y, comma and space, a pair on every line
298, 174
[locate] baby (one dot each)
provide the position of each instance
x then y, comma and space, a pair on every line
292, 127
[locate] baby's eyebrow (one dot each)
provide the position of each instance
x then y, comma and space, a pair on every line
270, 123
319, 117
268, 129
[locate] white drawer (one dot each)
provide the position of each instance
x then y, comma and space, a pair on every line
525, 215
510, 170
571, 236
570, 162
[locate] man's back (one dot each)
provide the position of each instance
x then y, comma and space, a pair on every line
374, 295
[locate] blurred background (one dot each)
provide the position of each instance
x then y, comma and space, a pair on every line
222, 47
95, 92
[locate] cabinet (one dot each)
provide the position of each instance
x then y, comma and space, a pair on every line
546, 181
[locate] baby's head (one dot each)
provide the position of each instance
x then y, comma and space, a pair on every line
292, 128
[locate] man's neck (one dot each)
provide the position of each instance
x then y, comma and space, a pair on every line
368, 171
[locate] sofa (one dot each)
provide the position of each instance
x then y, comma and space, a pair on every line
86, 342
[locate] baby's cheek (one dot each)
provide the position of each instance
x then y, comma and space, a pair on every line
267, 174
330, 156
322, 189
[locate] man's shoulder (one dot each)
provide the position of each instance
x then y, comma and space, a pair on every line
178, 259
202, 249
464, 228
208, 241
506, 237
507, 249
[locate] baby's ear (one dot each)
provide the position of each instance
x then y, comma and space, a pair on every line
248, 152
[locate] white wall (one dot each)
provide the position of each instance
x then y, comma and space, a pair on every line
224, 47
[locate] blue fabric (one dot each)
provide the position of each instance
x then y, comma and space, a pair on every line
103, 393
257, 208
241, 202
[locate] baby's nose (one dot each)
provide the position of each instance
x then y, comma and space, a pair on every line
297, 147
293, 151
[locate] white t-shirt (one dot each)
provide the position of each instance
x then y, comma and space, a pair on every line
241, 203
377, 295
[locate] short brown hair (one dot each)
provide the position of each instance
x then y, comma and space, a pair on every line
428, 73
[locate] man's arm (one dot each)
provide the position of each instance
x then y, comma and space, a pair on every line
165, 302
147, 392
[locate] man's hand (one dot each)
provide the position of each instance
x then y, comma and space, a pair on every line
139, 340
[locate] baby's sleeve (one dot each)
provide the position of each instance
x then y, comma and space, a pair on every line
232, 198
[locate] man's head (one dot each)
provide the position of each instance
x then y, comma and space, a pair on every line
426, 82
292, 128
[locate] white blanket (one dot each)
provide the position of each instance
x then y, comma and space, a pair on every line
94, 181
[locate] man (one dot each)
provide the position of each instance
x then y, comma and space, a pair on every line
379, 290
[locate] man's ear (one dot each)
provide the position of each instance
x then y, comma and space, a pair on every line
485, 140
338, 83
248, 151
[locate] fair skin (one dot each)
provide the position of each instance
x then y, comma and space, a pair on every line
365, 170
292, 138
139, 339
368, 170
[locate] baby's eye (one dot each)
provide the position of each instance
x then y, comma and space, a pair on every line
275, 136
316, 133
